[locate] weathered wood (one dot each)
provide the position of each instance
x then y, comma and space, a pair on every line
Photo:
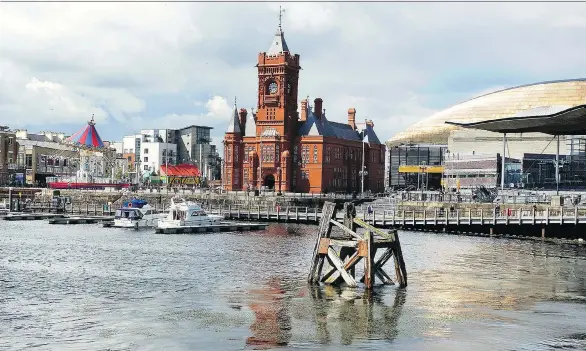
390, 235
400, 270
332, 275
356, 247
345, 229
369, 260
324, 230
335, 262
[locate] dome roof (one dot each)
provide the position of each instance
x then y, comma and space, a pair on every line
499, 104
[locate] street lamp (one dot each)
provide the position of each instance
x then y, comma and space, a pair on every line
280, 178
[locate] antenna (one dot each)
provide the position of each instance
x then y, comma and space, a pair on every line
234, 101
92, 120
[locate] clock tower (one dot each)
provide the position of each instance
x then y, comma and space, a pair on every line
276, 116
278, 78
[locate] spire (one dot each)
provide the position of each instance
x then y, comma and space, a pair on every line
250, 128
234, 124
279, 45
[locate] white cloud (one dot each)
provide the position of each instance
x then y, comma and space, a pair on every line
218, 112
59, 63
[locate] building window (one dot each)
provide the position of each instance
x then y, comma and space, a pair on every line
146, 159
328, 154
246, 175
295, 150
236, 178
305, 154
236, 154
146, 167
146, 151
315, 154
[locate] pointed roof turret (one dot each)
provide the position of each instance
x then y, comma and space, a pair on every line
250, 128
234, 124
279, 45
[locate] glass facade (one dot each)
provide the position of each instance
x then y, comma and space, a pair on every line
415, 155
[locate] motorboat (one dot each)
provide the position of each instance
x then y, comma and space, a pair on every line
137, 214
187, 214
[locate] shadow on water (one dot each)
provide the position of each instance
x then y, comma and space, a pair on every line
355, 315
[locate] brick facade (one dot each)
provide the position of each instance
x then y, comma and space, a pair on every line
286, 150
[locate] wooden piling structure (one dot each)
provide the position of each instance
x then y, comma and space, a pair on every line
354, 247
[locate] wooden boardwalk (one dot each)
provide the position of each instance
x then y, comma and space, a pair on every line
224, 227
391, 218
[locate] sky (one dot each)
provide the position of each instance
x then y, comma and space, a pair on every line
168, 65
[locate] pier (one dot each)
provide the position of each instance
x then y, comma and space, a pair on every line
224, 227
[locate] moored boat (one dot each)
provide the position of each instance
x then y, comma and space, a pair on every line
187, 214
137, 214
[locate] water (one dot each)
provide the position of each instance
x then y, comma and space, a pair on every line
89, 288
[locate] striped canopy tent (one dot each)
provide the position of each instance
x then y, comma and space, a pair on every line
87, 137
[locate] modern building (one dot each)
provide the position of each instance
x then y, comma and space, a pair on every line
284, 148
152, 148
544, 98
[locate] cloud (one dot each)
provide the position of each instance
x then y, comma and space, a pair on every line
217, 114
396, 63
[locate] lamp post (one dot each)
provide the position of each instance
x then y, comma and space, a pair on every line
363, 172
280, 175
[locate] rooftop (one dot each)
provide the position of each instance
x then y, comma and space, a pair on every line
553, 120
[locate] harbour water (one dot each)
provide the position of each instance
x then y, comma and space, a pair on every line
90, 288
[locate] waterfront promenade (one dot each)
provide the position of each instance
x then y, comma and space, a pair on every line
560, 222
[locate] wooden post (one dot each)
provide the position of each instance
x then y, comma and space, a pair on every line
287, 214
87, 208
258, 213
369, 260
324, 231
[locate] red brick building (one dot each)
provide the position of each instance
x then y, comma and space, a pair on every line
290, 148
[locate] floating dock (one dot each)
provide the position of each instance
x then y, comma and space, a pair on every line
224, 227
31, 216
79, 220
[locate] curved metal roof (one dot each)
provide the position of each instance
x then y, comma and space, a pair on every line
553, 120
496, 105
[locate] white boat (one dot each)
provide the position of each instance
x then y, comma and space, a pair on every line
133, 217
187, 214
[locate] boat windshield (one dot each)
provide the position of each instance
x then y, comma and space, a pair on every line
130, 214
198, 213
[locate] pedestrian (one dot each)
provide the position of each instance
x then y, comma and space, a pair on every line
369, 209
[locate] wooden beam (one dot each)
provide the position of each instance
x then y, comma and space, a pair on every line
335, 261
324, 231
332, 275
390, 236
346, 230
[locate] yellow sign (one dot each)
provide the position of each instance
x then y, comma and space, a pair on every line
182, 180
421, 169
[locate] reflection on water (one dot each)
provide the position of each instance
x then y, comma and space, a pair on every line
271, 326
91, 288
357, 314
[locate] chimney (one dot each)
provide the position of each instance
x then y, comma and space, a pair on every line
303, 116
242, 116
317, 107
370, 123
352, 117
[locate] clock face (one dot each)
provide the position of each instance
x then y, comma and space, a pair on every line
273, 88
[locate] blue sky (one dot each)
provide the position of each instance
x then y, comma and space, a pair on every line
167, 65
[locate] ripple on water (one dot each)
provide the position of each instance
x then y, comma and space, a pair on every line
93, 288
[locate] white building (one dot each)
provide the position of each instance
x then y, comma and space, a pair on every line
153, 155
